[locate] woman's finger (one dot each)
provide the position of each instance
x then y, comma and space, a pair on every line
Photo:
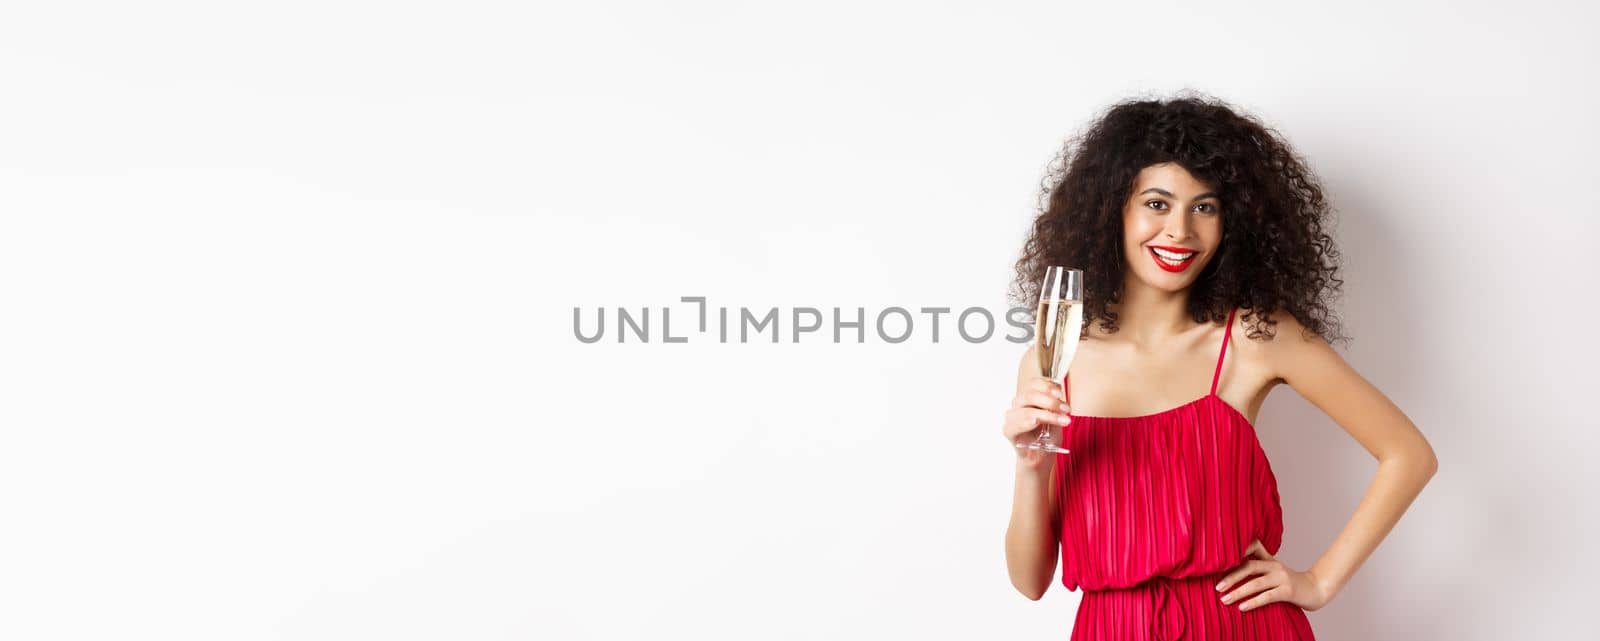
1244, 570
1037, 418
1251, 587
1259, 551
1028, 398
1046, 386
1024, 420
1280, 593
1044, 401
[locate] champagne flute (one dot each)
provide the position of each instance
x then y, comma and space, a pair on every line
1057, 326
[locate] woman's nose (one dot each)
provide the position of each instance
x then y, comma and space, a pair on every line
1178, 226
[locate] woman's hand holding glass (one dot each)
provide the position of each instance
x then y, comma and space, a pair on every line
1039, 402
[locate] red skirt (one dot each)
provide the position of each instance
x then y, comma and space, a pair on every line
1190, 609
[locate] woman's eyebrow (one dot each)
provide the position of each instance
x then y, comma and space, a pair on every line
1209, 194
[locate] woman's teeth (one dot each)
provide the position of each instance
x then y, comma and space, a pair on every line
1172, 258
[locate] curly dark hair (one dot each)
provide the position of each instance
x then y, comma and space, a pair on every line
1274, 253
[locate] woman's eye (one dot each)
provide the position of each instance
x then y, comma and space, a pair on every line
1203, 207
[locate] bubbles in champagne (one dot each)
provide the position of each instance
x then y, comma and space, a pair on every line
1056, 330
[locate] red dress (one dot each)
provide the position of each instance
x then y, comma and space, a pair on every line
1155, 510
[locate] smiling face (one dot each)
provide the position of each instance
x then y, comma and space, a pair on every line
1171, 227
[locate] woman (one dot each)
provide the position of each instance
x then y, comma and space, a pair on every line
1200, 235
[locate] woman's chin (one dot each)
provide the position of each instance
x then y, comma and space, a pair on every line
1168, 283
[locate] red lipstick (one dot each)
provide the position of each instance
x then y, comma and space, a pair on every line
1162, 263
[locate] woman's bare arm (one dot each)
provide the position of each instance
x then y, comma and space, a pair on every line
1405, 460
1031, 539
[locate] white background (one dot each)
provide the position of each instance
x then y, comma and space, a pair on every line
286, 299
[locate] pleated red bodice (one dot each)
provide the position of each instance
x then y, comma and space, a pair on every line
1151, 505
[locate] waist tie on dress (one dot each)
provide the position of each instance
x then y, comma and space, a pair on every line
1168, 613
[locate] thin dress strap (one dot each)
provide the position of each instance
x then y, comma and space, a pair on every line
1227, 335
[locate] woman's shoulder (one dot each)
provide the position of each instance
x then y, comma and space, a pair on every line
1267, 326
1273, 341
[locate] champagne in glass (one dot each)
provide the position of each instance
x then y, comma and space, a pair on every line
1057, 326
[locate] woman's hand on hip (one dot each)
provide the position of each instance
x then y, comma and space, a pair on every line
1273, 582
